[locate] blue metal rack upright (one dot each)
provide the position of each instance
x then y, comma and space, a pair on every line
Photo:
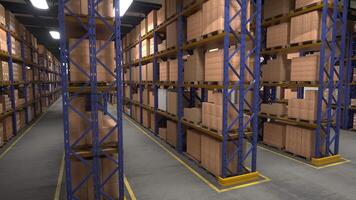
332, 54
350, 84
241, 86
90, 156
11, 78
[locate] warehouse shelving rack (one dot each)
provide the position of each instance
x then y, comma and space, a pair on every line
246, 159
84, 27
323, 127
350, 84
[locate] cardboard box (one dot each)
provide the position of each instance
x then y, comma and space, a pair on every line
213, 16
277, 109
300, 141
274, 135
273, 8
211, 155
162, 99
277, 70
151, 20
143, 27
172, 133
193, 114
162, 132
306, 27
172, 102
164, 71
171, 8
194, 66
146, 118
149, 75
173, 70
171, 37
3, 41
8, 128
2, 15
161, 15
305, 68
195, 26
278, 35
305, 3
194, 144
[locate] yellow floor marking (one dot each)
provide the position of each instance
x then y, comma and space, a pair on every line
211, 185
301, 162
24, 133
129, 189
59, 181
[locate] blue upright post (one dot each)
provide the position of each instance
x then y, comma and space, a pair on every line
11, 78
180, 27
300, 92
93, 97
65, 98
140, 77
348, 77
24, 77
119, 98
155, 79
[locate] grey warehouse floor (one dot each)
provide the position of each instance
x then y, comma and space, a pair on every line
30, 169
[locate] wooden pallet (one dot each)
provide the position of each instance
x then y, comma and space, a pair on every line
302, 120
308, 6
305, 43
273, 147
191, 122
272, 115
277, 17
217, 32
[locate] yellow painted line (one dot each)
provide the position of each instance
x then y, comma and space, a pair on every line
129, 189
304, 163
59, 181
24, 133
211, 185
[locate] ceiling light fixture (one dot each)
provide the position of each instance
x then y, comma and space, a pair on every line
55, 35
124, 6
40, 4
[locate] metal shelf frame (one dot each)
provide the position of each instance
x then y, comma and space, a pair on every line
98, 149
348, 113
332, 54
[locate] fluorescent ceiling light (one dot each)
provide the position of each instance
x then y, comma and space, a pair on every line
40, 4
55, 35
124, 6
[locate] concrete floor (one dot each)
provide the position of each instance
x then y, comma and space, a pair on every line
155, 174
30, 170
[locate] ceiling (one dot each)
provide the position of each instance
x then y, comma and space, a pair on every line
40, 22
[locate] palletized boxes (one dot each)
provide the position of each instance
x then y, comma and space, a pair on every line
172, 102
172, 133
303, 3
273, 8
8, 129
211, 155
105, 7
278, 35
4, 74
161, 15
278, 69
195, 26
162, 99
213, 16
171, 7
2, 15
151, 20
276, 109
145, 48
354, 124
305, 68
194, 144
1, 135
80, 171
10, 21
3, 41
164, 71
149, 75
305, 109
146, 118
300, 141
306, 27
5, 102
353, 102
143, 73
162, 132
274, 134
194, 66
193, 114
171, 31
173, 70
80, 56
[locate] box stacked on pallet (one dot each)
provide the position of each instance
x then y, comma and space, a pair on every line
4, 73
1, 135
274, 134
274, 8
5, 102
354, 124
304, 109
276, 109
195, 26
164, 71
276, 70
171, 8
194, 66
